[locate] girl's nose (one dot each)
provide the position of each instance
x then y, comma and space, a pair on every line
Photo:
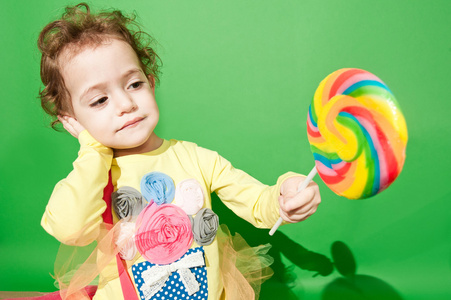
125, 104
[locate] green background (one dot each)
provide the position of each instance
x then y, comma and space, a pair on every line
238, 77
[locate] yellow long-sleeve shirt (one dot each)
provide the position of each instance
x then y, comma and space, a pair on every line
74, 212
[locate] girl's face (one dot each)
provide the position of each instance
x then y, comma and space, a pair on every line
112, 97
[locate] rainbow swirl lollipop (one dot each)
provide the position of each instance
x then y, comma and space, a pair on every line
357, 133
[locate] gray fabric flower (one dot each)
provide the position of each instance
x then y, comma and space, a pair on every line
205, 226
127, 203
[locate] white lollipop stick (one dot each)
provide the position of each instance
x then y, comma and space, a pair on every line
302, 186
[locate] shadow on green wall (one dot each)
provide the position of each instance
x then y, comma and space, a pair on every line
351, 286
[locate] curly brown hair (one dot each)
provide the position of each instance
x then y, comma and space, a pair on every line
79, 28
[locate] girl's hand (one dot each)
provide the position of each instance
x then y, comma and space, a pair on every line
294, 206
71, 125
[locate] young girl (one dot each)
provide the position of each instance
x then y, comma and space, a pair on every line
99, 78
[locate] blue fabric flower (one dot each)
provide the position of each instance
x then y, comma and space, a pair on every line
157, 187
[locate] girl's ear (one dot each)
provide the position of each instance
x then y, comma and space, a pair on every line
151, 82
66, 114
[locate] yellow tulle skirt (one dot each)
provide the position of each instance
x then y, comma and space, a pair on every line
243, 268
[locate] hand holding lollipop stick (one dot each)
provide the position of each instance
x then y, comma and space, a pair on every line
301, 187
357, 134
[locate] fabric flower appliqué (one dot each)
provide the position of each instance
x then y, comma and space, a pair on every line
125, 240
189, 196
127, 203
205, 226
163, 233
157, 187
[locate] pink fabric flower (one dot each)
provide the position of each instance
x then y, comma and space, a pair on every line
189, 196
163, 233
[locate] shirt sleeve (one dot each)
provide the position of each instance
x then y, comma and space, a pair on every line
74, 212
244, 195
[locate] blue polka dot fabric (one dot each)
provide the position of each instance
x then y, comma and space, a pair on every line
174, 289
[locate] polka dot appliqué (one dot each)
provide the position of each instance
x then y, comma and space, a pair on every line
174, 286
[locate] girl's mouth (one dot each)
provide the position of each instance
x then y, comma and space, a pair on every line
132, 123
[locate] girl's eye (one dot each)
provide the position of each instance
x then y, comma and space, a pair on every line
136, 85
99, 102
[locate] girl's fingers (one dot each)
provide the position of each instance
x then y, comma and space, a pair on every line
300, 206
70, 124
